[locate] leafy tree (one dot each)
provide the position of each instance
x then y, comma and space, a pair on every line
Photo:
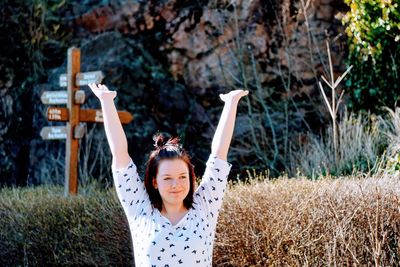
373, 27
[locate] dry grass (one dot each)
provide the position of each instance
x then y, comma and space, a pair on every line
360, 140
351, 221
392, 131
297, 222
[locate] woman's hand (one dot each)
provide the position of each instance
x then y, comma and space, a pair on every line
101, 91
233, 96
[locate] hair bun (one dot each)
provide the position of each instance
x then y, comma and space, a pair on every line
161, 141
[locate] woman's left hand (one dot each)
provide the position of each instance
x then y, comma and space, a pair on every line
234, 95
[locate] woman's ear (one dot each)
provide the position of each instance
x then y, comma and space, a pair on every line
155, 183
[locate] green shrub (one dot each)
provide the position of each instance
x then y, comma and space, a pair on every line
373, 28
32, 39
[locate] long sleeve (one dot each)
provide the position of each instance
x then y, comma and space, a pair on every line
130, 189
210, 193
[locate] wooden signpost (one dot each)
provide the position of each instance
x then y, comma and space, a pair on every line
73, 115
86, 115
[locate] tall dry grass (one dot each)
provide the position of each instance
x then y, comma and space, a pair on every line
361, 142
298, 222
352, 221
392, 131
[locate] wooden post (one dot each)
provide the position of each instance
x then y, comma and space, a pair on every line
73, 115
72, 144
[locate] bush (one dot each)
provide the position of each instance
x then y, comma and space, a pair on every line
39, 227
373, 28
298, 222
392, 130
285, 222
361, 143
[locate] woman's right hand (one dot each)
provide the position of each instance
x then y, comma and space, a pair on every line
101, 91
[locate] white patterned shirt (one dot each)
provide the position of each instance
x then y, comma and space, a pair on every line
156, 241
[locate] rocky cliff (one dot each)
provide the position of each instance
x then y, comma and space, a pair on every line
170, 59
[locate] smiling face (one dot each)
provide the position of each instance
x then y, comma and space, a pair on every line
172, 181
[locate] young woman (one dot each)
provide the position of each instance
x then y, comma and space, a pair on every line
171, 222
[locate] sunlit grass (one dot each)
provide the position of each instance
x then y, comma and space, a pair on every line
341, 221
352, 220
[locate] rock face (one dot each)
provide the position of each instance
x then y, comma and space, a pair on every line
200, 40
277, 49
170, 59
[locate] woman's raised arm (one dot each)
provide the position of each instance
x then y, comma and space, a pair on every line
115, 133
223, 134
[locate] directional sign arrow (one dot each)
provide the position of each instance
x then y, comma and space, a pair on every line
57, 114
89, 77
61, 97
96, 115
83, 78
53, 132
85, 115
60, 132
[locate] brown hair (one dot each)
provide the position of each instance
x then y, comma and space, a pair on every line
167, 149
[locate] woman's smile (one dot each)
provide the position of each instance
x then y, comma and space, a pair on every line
172, 180
176, 192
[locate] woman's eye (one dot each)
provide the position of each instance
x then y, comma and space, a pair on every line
183, 177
